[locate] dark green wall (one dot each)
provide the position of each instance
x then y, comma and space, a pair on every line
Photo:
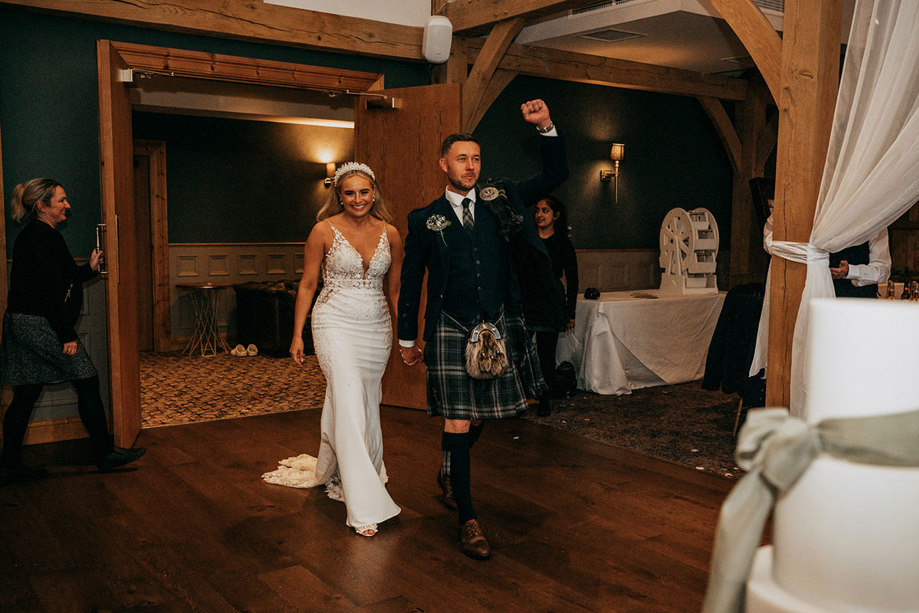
49, 100
673, 158
236, 181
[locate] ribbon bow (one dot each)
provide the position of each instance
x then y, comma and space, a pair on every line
776, 449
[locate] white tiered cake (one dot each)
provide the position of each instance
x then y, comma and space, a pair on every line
846, 538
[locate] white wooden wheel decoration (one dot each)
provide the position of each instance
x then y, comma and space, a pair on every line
689, 248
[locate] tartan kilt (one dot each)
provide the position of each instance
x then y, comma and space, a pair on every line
453, 394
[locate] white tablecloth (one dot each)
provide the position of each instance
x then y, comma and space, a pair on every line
624, 341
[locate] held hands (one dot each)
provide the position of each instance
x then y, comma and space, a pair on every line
536, 112
410, 355
841, 272
296, 350
95, 259
70, 348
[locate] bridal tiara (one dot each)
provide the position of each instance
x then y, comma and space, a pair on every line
353, 167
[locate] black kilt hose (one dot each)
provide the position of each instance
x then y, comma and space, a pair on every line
453, 394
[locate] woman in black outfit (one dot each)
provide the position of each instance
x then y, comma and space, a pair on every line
552, 224
40, 344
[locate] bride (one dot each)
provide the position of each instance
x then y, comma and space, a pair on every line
354, 247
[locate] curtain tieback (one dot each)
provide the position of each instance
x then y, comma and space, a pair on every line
802, 253
777, 449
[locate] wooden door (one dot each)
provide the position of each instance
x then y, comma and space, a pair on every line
116, 149
402, 146
144, 265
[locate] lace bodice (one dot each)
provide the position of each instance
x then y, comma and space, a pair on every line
344, 267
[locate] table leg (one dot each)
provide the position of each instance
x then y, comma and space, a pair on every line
206, 333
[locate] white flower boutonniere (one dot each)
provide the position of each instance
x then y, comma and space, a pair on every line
438, 223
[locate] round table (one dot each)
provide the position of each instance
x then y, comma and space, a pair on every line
205, 298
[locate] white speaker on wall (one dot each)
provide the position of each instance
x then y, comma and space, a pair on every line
438, 36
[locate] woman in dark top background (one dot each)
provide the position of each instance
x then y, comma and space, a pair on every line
552, 224
40, 344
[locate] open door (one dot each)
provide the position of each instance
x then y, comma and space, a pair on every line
117, 160
402, 146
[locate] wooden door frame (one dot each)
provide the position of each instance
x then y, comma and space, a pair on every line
155, 152
197, 65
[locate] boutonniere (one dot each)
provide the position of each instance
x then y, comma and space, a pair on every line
438, 223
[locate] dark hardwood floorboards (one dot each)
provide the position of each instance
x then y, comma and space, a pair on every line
575, 525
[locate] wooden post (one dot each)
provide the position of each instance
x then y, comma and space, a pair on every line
809, 84
747, 255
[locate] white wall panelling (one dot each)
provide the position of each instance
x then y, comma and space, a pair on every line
612, 270
225, 263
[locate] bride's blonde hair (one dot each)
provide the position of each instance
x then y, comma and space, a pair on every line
333, 206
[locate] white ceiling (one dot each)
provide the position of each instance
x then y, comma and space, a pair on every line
687, 34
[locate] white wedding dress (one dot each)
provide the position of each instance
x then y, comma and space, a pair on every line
352, 334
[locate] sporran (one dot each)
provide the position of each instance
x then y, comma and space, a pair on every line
486, 353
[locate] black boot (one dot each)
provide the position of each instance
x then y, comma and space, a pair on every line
544, 410
119, 457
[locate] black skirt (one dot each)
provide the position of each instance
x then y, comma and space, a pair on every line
30, 352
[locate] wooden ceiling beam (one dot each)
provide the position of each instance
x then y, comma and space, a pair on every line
486, 62
476, 16
499, 80
758, 36
253, 21
582, 68
725, 129
767, 141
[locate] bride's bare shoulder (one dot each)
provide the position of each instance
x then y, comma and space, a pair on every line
392, 235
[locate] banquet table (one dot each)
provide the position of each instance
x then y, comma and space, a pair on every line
640, 338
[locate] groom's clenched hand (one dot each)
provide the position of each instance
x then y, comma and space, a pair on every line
536, 112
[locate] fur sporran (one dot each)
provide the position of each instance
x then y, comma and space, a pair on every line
486, 354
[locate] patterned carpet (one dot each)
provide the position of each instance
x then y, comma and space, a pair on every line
180, 389
681, 423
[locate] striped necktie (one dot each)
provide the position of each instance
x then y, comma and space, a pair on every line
468, 222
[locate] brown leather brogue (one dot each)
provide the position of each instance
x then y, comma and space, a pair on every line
446, 488
474, 543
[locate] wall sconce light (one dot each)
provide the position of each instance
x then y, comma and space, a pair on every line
329, 173
615, 154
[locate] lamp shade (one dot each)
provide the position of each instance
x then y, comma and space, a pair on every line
616, 152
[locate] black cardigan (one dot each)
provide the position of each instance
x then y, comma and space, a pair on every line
45, 279
564, 261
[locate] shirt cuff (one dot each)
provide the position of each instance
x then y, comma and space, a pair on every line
404, 343
552, 132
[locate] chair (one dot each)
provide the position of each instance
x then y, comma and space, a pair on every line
730, 352
265, 316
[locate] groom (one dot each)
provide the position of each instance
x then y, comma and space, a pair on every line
472, 241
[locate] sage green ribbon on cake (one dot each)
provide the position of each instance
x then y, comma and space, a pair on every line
776, 449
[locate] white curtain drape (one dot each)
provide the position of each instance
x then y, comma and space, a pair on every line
871, 176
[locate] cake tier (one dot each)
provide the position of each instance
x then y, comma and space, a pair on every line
846, 534
764, 595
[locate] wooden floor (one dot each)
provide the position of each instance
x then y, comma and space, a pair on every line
575, 525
